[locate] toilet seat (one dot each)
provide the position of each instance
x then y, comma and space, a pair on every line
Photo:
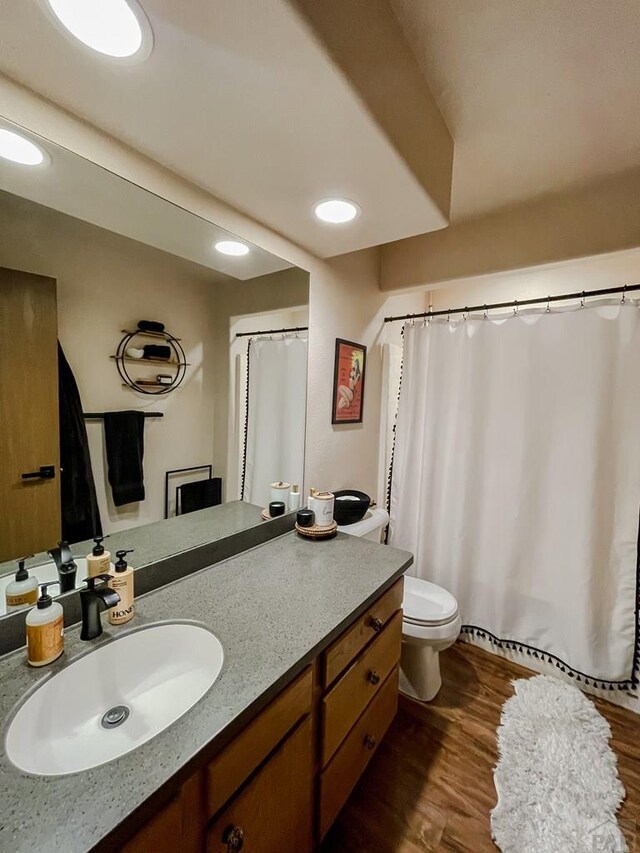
426, 604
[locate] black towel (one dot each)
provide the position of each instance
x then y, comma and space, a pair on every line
80, 514
200, 494
157, 351
124, 436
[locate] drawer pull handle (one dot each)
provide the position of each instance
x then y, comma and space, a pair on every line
233, 837
373, 677
376, 623
369, 741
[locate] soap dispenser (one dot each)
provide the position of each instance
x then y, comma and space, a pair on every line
22, 591
45, 630
122, 583
99, 560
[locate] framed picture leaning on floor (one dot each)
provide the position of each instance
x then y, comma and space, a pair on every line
348, 382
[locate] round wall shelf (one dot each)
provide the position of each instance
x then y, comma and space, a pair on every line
177, 363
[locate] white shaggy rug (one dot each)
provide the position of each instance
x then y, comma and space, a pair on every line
557, 779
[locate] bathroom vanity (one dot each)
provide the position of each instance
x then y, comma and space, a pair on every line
264, 761
282, 781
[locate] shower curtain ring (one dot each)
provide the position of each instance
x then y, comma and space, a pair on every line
486, 312
624, 294
582, 300
515, 308
548, 304
449, 315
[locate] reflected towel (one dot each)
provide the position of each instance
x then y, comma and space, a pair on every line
124, 436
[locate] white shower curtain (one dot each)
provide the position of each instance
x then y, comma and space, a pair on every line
276, 416
516, 479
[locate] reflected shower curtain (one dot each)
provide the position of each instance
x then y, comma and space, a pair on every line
516, 479
276, 416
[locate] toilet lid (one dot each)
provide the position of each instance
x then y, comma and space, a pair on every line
425, 603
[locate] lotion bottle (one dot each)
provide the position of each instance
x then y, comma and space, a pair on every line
295, 498
122, 583
45, 630
99, 560
22, 591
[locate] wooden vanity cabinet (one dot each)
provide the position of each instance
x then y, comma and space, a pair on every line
280, 784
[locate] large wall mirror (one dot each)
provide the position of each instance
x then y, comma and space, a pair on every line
153, 368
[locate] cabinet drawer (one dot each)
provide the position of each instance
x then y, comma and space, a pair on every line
273, 813
237, 761
340, 654
348, 764
347, 699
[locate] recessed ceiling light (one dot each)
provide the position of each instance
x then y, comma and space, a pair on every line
336, 210
232, 247
19, 149
115, 28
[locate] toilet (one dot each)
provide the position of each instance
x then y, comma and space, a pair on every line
430, 621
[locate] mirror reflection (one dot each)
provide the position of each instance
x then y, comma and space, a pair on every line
153, 371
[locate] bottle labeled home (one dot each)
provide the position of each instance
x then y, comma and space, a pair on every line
122, 583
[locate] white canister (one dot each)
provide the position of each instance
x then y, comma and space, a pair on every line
322, 505
280, 492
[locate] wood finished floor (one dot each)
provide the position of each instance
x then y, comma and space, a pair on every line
429, 786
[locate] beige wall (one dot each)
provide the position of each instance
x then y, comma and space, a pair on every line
106, 283
346, 302
593, 273
598, 219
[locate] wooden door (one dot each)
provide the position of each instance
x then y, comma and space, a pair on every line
30, 519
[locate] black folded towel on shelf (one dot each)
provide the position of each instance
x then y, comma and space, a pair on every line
124, 437
150, 326
157, 351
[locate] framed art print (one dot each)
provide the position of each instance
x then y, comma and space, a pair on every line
348, 382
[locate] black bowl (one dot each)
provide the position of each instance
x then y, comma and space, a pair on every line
348, 512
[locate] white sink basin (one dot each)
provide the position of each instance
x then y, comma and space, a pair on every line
151, 676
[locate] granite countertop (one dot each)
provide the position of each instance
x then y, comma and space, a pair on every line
161, 539
274, 608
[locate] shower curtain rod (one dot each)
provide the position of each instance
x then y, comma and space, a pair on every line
516, 303
272, 331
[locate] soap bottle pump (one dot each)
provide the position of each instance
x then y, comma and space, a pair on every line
45, 629
22, 591
122, 583
99, 560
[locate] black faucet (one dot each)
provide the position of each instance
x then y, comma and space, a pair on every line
93, 601
65, 564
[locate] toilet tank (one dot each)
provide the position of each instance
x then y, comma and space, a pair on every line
370, 527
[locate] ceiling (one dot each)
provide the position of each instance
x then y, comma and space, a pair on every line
75, 186
241, 100
539, 96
